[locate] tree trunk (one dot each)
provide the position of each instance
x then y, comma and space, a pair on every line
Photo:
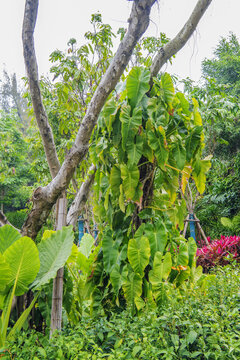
57, 295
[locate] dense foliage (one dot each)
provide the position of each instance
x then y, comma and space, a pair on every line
200, 326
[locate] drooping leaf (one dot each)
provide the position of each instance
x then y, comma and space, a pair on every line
192, 249
86, 244
201, 167
168, 88
109, 113
138, 254
156, 140
193, 142
187, 170
182, 255
8, 235
118, 277
132, 287
110, 254
184, 103
121, 199
196, 114
137, 84
130, 124
130, 177
53, 254
24, 262
157, 237
179, 154
115, 180
134, 151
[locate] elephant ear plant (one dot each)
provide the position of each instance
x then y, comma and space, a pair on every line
25, 265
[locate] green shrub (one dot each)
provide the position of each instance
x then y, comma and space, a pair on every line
196, 327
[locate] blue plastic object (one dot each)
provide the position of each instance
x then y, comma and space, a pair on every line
80, 229
192, 226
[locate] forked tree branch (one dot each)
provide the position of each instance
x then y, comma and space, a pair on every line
44, 198
29, 22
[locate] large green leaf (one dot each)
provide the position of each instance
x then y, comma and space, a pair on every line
115, 180
86, 244
109, 113
118, 277
137, 84
8, 235
193, 142
53, 253
182, 255
157, 237
23, 258
132, 288
201, 167
192, 249
5, 276
168, 88
135, 150
130, 124
110, 254
138, 254
130, 177
179, 154
157, 140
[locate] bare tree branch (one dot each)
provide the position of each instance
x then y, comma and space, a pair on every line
29, 22
81, 198
176, 44
4, 221
44, 198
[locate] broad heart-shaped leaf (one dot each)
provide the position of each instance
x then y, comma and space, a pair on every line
168, 88
53, 254
193, 142
184, 103
130, 124
8, 235
187, 170
110, 254
109, 112
115, 180
86, 245
132, 287
179, 154
5, 276
137, 85
130, 177
196, 115
138, 254
157, 237
192, 249
23, 258
156, 140
135, 150
201, 167
182, 255
118, 277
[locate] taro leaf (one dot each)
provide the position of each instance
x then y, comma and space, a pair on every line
138, 254
168, 88
137, 85
109, 112
86, 244
132, 287
192, 249
201, 167
196, 115
183, 276
184, 103
166, 265
130, 177
156, 140
83, 263
179, 154
134, 151
8, 235
130, 124
182, 255
121, 200
118, 277
115, 180
187, 170
23, 258
157, 237
110, 254
193, 142
5, 277
53, 253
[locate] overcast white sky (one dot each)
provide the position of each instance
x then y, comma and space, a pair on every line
60, 20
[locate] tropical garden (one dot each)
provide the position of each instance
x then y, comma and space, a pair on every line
119, 185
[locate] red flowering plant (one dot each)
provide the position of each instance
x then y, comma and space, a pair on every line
219, 252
